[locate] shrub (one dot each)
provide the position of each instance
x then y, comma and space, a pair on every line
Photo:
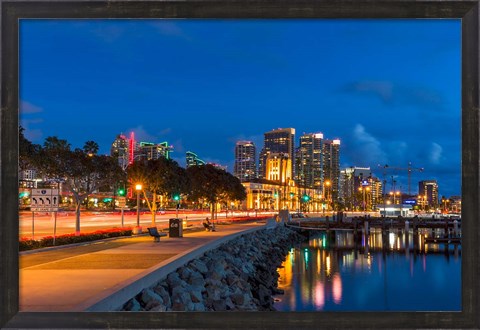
30, 244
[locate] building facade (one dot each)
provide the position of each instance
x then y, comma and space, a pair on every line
309, 161
192, 159
331, 168
275, 197
278, 141
428, 193
359, 189
120, 150
150, 150
245, 167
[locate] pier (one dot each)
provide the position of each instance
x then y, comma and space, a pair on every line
365, 223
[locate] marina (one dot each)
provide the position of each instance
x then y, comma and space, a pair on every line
377, 270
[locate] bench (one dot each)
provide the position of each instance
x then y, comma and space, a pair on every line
153, 231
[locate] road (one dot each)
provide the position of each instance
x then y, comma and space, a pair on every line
42, 224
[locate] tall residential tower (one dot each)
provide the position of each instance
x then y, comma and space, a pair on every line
245, 167
309, 161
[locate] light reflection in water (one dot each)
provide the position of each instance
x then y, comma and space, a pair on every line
377, 272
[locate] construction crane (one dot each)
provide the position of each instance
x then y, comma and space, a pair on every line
409, 169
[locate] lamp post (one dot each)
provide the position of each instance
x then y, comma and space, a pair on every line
138, 188
364, 189
326, 192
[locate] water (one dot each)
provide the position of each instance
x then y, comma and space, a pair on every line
333, 273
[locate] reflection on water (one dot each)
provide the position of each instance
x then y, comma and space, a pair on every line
378, 272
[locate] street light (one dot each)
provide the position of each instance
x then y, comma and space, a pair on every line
326, 192
363, 189
138, 188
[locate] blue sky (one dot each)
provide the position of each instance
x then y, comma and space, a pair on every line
388, 89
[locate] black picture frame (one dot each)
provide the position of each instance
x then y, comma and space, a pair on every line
13, 11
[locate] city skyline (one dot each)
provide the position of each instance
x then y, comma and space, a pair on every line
203, 85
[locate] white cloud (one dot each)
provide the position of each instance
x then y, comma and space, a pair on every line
368, 148
435, 155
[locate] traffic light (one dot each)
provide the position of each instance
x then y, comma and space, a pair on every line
176, 197
121, 192
306, 198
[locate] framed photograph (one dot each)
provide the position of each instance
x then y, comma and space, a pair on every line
241, 69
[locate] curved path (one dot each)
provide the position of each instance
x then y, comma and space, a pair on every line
102, 276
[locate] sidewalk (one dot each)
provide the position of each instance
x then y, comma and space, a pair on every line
77, 278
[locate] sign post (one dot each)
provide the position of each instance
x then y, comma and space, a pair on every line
45, 200
33, 225
121, 203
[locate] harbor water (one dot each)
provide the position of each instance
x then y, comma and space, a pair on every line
338, 271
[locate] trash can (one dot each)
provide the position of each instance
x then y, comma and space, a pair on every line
175, 227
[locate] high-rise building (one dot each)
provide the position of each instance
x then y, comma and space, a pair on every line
428, 193
331, 166
150, 150
278, 141
309, 161
245, 167
120, 149
193, 160
352, 181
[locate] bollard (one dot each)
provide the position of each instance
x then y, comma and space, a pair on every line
455, 228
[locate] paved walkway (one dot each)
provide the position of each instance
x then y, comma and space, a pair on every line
76, 278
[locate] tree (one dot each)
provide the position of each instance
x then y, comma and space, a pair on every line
82, 173
214, 185
27, 151
159, 177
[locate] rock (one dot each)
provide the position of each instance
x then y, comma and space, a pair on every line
238, 299
159, 308
184, 273
199, 307
239, 275
219, 305
196, 279
150, 299
132, 305
196, 295
162, 292
199, 266
181, 300
173, 280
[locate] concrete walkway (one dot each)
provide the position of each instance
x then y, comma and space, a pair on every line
102, 276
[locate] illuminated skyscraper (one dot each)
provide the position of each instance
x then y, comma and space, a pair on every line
245, 167
149, 150
428, 190
119, 149
331, 165
278, 141
309, 161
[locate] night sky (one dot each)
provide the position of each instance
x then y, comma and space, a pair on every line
388, 89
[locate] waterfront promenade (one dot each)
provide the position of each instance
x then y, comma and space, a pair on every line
99, 275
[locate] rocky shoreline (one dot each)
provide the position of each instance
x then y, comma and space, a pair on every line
240, 275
